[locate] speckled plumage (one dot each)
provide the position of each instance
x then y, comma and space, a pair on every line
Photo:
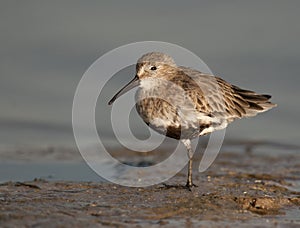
184, 103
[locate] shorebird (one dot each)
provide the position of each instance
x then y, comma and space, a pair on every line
184, 103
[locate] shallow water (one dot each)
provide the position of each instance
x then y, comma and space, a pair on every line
12, 171
237, 158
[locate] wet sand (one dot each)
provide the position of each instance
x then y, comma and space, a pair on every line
258, 188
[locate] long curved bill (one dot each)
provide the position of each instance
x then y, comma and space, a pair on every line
133, 83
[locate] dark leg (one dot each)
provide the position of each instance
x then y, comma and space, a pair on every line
189, 182
188, 146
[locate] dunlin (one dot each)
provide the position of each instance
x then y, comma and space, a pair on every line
184, 103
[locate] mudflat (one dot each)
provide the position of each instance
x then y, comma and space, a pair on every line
240, 189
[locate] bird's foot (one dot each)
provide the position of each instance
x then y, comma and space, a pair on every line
168, 186
190, 185
178, 186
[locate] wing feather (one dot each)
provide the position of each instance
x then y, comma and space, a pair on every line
216, 97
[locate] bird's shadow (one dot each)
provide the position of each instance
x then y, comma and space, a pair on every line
177, 186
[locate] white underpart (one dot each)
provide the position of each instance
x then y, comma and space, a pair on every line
193, 118
147, 84
162, 123
211, 129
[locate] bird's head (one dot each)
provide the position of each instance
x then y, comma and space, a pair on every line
153, 64
150, 66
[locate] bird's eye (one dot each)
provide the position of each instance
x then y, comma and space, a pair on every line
153, 68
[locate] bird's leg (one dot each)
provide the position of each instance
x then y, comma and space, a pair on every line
188, 146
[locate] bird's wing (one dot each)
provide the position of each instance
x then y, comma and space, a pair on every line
216, 97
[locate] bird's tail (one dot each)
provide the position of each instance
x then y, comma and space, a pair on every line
256, 102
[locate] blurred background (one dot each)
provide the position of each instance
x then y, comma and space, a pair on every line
46, 46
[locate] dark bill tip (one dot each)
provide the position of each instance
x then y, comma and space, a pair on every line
111, 101
133, 83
